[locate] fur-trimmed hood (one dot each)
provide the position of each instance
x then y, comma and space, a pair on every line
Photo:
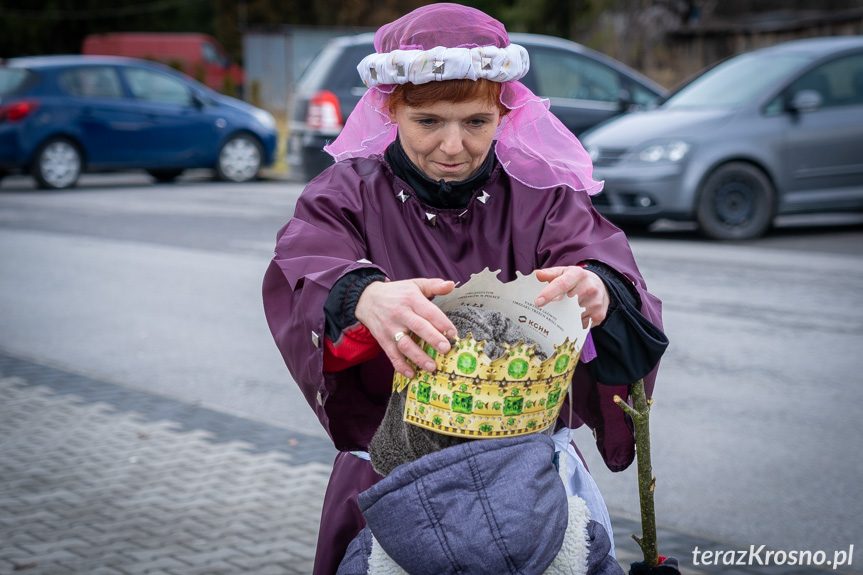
491, 506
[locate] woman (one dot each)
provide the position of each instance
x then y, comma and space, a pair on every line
446, 167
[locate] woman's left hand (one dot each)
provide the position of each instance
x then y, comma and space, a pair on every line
577, 282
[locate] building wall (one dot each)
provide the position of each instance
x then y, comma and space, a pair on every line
692, 49
654, 41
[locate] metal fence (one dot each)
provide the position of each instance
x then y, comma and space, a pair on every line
274, 60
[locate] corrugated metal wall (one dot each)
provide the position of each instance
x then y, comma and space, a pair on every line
274, 61
268, 62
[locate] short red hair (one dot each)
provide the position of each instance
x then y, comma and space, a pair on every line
417, 95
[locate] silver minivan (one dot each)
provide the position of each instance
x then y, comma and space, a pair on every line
778, 130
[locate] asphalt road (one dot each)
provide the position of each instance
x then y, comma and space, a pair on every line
756, 426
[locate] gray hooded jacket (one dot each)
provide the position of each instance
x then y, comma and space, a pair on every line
493, 506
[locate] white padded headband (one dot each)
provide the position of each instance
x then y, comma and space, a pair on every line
441, 63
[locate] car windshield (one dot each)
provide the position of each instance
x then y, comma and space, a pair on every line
12, 80
736, 82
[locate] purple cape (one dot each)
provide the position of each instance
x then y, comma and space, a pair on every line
359, 214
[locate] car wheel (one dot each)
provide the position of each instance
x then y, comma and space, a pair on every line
736, 203
239, 159
57, 164
165, 176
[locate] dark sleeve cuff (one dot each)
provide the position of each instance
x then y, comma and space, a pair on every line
341, 304
628, 345
618, 287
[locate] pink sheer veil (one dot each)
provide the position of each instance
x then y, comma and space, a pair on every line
533, 146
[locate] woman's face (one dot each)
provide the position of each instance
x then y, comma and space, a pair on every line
448, 140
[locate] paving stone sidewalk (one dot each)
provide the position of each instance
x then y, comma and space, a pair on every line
96, 478
101, 479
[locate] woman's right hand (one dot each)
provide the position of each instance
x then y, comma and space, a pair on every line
390, 308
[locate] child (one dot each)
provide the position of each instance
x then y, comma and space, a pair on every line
457, 505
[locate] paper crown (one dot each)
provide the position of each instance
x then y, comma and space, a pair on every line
471, 395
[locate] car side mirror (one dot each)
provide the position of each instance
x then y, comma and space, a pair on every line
198, 101
805, 101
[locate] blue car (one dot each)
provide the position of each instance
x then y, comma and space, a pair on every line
63, 115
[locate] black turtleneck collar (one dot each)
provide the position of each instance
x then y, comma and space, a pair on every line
438, 194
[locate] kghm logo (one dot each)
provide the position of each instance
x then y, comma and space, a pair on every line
538, 327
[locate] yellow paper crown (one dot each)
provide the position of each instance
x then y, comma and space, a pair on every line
470, 395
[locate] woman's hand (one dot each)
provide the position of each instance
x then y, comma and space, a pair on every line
391, 308
575, 282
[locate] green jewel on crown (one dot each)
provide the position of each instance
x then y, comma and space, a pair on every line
462, 402
553, 398
518, 368
513, 405
424, 393
466, 363
561, 363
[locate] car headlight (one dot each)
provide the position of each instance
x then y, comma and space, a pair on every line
672, 151
265, 118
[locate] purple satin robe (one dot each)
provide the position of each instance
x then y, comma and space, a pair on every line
359, 214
